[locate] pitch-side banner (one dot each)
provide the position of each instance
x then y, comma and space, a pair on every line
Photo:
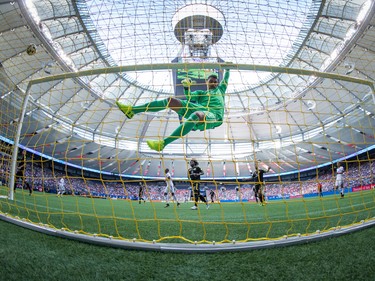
364, 187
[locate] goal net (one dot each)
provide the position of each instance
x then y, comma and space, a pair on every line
55, 149
302, 112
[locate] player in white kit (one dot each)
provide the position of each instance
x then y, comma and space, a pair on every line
169, 189
340, 178
61, 188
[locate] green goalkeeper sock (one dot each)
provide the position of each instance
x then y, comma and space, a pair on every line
183, 129
153, 106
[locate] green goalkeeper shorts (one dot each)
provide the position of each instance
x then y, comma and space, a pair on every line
212, 118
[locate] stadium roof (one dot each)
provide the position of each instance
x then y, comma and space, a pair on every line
288, 121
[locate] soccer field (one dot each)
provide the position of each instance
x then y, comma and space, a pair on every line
222, 222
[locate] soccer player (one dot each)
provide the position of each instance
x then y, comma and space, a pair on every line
259, 183
320, 191
169, 188
339, 178
238, 194
212, 195
20, 174
194, 174
141, 192
187, 196
203, 110
61, 188
223, 190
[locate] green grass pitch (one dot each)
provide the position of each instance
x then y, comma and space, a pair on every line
222, 222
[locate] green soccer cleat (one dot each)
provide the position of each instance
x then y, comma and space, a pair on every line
126, 109
156, 145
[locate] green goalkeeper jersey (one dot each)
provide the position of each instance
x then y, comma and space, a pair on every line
213, 100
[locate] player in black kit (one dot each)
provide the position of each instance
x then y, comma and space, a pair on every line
259, 183
212, 194
194, 175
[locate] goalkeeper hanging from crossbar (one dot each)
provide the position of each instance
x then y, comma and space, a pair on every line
202, 110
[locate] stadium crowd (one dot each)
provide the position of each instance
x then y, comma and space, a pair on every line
46, 180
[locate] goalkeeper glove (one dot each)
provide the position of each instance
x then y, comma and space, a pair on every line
186, 83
